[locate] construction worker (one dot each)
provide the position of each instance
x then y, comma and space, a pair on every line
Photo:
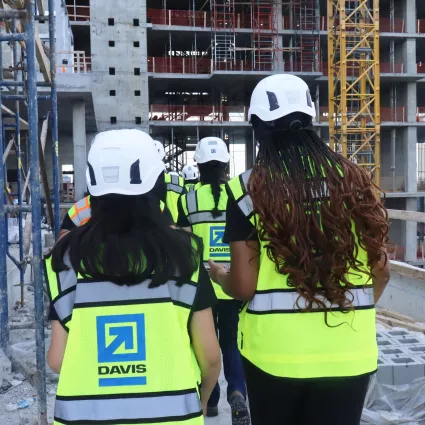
204, 212
307, 236
80, 212
175, 188
131, 301
191, 177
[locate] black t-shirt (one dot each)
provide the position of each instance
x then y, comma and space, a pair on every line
238, 226
68, 224
205, 296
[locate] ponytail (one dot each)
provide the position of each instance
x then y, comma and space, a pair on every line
216, 192
213, 173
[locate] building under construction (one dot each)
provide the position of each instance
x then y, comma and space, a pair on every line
184, 72
69, 69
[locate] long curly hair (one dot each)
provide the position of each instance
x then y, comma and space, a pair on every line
307, 199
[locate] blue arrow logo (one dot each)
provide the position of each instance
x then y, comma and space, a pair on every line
129, 332
216, 236
123, 335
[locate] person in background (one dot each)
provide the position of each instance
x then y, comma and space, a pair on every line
191, 177
204, 213
133, 336
175, 188
307, 237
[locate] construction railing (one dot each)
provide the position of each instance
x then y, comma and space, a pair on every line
77, 13
393, 114
420, 26
198, 113
420, 114
387, 114
188, 18
179, 65
385, 24
76, 62
386, 68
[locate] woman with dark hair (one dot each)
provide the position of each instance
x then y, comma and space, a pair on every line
133, 335
204, 212
307, 238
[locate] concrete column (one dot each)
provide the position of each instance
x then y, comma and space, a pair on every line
144, 84
250, 151
278, 64
409, 56
410, 232
80, 149
409, 14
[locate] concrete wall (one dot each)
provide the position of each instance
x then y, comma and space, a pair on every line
124, 58
66, 153
406, 296
64, 37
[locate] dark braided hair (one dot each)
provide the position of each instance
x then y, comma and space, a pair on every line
307, 198
214, 173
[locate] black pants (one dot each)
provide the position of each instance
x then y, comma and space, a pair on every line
284, 401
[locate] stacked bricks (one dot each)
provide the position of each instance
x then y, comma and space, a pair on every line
401, 357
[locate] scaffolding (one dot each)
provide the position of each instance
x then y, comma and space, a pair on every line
24, 92
265, 36
306, 22
259, 15
354, 81
224, 35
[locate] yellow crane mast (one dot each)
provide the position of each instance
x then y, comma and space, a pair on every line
354, 81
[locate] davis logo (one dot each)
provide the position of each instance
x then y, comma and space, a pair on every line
217, 247
121, 346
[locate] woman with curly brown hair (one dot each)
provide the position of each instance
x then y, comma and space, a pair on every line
307, 237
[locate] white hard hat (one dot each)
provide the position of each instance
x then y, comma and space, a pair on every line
190, 172
160, 148
174, 173
211, 149
279, 95
124, 162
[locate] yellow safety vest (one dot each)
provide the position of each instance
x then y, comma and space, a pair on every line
281, 340
80, 213
175, 187
191, 187
197, 206
128, 357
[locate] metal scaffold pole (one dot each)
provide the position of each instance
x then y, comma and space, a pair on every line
20, 33
54, 110
40, 378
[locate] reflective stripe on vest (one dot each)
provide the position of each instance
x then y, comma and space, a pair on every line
81, 212
161, 407
245, 202
196, 217
174, 188
289, 301
206, 217
174, 184
106, 292
64, 305
191, 202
